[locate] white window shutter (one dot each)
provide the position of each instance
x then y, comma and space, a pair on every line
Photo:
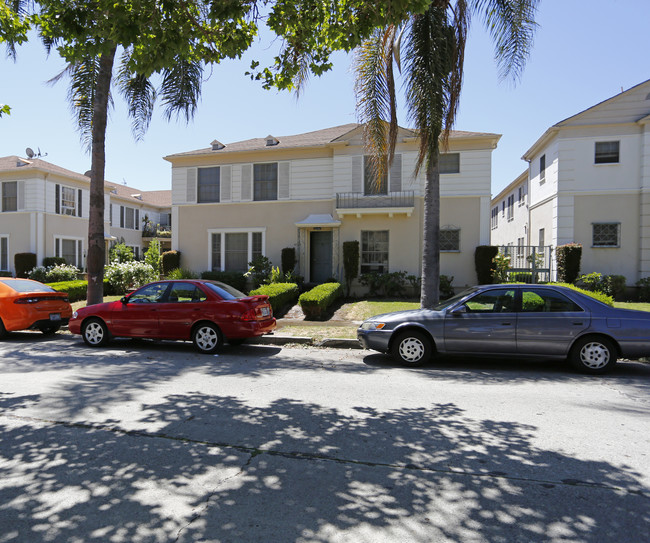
20, 204
396, 174
226, 183
284, 180
246, 182
357, 174
191, 186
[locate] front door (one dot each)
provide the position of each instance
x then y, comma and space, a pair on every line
320, 256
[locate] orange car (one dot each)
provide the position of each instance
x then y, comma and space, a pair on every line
30, 305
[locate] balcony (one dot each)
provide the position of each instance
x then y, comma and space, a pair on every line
357, 203
157, 231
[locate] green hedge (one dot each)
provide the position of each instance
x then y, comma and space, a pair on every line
483, 256
596, 295
281, 295
234, 279
78, 290
316, 302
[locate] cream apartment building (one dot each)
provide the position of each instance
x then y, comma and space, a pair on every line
233, 202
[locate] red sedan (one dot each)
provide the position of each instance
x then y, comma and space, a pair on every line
205, 312
30, 305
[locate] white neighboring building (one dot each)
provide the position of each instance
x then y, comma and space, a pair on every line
509, 214
589, 183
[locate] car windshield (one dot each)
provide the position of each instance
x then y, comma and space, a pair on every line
225, 291
444, 304
26, 285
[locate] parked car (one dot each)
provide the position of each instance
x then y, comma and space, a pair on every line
208, 313
29, 305
545, 321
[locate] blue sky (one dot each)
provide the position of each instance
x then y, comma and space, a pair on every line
585, 51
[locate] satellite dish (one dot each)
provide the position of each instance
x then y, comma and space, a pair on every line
29, 152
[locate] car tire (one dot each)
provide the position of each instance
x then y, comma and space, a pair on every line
412, 348
50, 330
3, 330
95, 333
594, 355
207, 338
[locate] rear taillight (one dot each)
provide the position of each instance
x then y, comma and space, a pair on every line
27, 300
248, 315
36, 299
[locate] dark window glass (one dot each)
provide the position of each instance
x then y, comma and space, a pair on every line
209, 185
449, 163
449, 239
605, 234
370, 184
265, 182
374, 251
607, 152
543, 301
492, 301
10, 196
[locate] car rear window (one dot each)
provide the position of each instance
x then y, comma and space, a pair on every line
26, 285
225, 291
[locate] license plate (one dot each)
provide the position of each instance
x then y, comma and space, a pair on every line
265, 312
55, 316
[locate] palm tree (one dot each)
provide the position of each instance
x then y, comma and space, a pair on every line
428, 49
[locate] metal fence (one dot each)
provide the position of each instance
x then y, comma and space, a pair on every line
529, 263
357, 200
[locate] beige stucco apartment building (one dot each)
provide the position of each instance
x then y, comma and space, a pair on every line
44, 210
589, 183
231, 203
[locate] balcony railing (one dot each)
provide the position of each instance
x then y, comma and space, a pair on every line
357, 200
157, 231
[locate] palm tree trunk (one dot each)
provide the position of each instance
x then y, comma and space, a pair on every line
430, 290
96, 241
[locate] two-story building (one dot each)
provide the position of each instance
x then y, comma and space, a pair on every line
314, 191
45, 210
589, 183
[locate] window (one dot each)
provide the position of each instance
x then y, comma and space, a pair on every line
542, 168
605, 234
71, 249
449, 163
543, 301
265, 182
208, 185
541, 238
492, 301
67, 201
607, 152
521, 197
232, 251
450, 239
129, 218
10, 196
4, 253
370, 185
503, 208
374, 251
520, 247
511, 207
494, 219
186, 293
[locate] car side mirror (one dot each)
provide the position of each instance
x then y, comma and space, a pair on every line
460, 310
124, 300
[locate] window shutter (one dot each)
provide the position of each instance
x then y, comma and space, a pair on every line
20, 200
284, 180
121, 216
226, 183
79, 210
57, 246
247, 182
137, 219
357, 174
57, 200
80, 248
396, 174
191, 186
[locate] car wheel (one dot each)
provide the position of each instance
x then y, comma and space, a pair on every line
50, 330
3, 330
207, 337
412, 348
95, 333
593, 355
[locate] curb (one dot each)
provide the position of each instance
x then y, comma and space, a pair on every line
337, 343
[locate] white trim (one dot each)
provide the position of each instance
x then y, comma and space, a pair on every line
223, 231
78, 257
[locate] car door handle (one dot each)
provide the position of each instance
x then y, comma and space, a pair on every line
578, 323
506, 324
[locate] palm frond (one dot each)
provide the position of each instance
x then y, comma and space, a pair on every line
140, 95
181, 89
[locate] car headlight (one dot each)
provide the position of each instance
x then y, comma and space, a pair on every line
372, 325
74, 315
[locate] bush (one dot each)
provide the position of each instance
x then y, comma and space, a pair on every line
76, 289
316, 302
51, 261
281, 295
288, 259
350, 263
126, 275
259, 271
170, 260
120, 253
500, 267
568, 259
181, 273
23, 262
601, 297
644, 289
5, 274
234, 279
612, 285
446, 290
152, 256
54, 274
385, 284
483, 256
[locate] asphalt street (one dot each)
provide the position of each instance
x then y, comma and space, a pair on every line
153, 442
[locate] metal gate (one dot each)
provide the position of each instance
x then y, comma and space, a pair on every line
529, 263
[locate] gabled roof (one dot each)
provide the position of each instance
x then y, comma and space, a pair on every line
160, 198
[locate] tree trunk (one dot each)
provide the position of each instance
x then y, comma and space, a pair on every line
430, 290
96, 241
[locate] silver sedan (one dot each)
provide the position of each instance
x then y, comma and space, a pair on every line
545, 321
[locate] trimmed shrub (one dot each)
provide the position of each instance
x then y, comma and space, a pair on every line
54, 274
568, 259
170, 260
644, 289
5, 274
281, 295
612, 285
234, 279
317, 301
288, 259
51, 261
350, 263
23, 263
601, 297
181, 273
483, 255
446, 290
76, 290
